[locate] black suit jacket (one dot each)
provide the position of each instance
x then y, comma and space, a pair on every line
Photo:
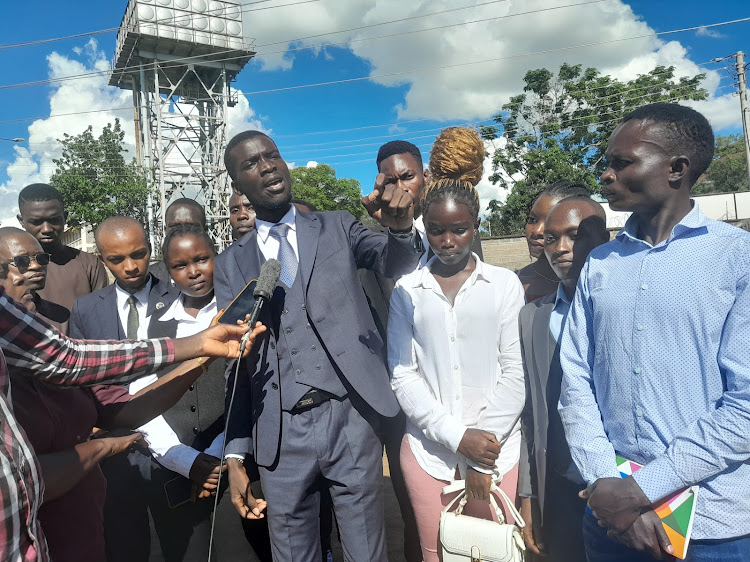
95, 317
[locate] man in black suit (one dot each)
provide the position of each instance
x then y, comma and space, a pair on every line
309, 400
548, 480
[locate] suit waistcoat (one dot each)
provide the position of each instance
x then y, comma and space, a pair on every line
198, 416
303, 360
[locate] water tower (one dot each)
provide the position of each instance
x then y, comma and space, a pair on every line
179, 58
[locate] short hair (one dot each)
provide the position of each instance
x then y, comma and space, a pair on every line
119, 225
683, 130
237, 139
184, 230
187, 202
39, 192
562, 189
456, 166
304, 203
399, 147
9, 232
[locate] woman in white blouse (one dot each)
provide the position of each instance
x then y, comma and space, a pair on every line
454, 351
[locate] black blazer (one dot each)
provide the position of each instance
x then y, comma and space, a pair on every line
95, 317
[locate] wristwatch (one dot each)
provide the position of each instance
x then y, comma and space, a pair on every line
403, 234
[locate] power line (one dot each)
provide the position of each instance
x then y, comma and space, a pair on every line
113, 29
497, 59
412, 32
179, 61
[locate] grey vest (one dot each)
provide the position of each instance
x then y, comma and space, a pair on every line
303, 360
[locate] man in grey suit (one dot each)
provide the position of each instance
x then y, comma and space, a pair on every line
310, 397
548, 480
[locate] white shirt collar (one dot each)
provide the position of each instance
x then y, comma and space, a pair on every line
264, 227
176, 311
141, 295
425, 278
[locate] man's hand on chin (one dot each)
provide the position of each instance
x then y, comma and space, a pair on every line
391, 206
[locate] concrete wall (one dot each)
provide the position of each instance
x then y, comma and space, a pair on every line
508, 251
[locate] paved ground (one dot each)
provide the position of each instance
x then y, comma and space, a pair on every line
394, 525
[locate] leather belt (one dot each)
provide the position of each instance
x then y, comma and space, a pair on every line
311, 399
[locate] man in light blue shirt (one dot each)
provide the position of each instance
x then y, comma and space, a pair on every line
655, 351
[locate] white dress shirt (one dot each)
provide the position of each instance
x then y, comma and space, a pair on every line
123, 308
268, 245
162, 441
457, 366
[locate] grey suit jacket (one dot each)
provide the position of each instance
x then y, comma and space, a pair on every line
332, 246
538, 349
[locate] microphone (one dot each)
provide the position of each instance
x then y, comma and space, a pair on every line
264, 288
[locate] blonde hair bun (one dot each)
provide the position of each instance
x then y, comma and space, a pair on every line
457, 154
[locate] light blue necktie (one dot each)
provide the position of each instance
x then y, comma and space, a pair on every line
287, 257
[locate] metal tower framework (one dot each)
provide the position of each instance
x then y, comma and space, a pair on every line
179, 57
184, 137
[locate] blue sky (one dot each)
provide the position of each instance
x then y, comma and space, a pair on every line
343, 124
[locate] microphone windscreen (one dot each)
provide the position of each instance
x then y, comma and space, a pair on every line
267, 280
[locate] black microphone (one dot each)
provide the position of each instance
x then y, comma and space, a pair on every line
264, 288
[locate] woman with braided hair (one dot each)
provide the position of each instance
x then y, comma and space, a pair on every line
454, 352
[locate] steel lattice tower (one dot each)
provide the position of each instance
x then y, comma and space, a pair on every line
179, 57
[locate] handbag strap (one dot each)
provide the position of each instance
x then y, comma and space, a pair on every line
461, 499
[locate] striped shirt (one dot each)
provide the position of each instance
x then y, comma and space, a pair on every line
32, 346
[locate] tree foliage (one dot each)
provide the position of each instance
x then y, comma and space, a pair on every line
321, 187
559, 126
728, 171
96, 181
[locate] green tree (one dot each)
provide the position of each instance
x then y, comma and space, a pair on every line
728, 171
96, 181
559, 126
321, 187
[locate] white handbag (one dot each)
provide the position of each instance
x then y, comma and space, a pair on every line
465, 538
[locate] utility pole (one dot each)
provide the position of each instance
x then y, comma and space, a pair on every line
740, 56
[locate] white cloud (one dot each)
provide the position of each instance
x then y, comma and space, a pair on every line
463, 90
709, 32
311, 164
89, 99
471, 92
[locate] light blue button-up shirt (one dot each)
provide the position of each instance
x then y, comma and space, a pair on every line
656, 356
559, 313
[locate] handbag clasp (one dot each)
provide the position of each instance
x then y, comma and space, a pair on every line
476, 554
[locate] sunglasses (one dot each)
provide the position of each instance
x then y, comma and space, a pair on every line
22, 262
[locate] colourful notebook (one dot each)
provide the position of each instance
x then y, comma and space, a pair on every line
676, 512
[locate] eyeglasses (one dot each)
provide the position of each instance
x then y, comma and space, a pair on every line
22, 262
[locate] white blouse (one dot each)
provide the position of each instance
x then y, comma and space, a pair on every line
162, 441
458, 366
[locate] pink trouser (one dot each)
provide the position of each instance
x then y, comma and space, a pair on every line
425, 494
